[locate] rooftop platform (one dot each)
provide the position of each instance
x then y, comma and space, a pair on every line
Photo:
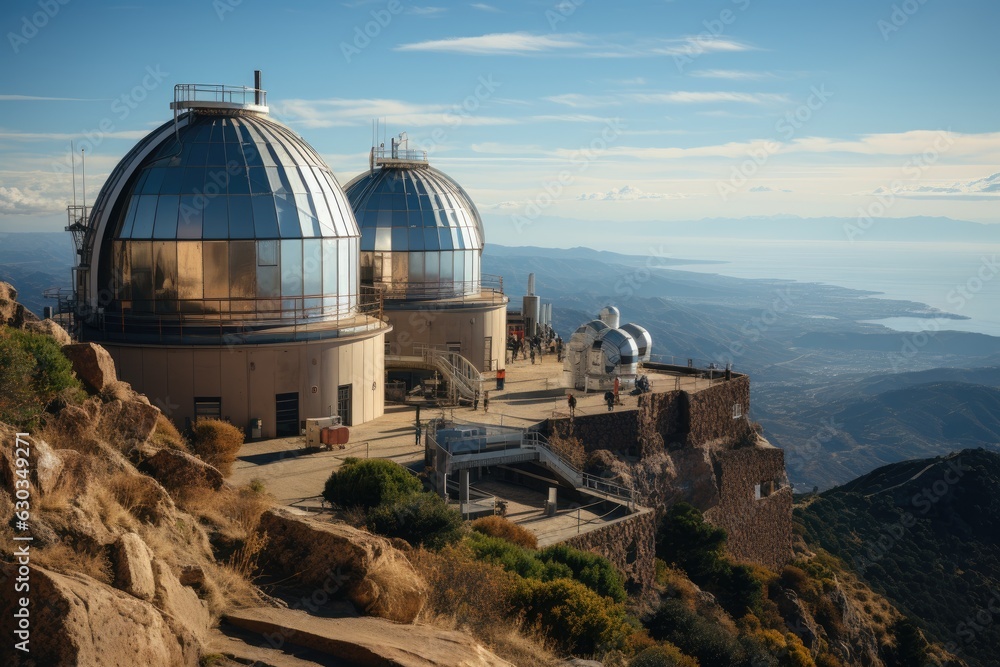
532, 394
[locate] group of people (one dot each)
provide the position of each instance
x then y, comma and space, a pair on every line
532, 347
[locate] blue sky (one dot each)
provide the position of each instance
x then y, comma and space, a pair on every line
571, 110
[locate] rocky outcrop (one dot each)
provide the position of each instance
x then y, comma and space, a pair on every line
133, 567
131, 420
77, 620
45, 464
50, 328
375, 576
175, 469
185, 612
366, 641
798, 619
12, 313
92, 364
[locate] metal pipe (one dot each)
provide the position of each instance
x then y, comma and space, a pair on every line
256, 86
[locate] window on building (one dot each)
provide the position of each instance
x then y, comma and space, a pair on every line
207, 408
737, 410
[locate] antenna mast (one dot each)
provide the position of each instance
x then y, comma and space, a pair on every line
83, 163
72, 162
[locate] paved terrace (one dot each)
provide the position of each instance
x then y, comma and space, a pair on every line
532, 394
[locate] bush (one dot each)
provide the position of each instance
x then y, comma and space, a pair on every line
216, 442
666, 655
513, 558
422, 519
709, 642
580, 620
166, 435
593, 571
497, 526
33, 372
369, 483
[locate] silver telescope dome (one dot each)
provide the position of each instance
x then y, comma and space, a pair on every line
421, 234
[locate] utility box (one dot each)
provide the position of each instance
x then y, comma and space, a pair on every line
256, 428
314, 429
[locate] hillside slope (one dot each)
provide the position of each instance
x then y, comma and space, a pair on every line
926, 534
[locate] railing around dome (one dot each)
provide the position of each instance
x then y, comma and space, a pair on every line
214, 92
488, 288
391, 156
237, 320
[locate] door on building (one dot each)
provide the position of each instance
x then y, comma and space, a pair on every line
344, 404
286, 410
207, 407
488, 353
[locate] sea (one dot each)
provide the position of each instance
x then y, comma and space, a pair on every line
958, 278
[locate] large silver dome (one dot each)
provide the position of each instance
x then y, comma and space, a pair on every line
222, 216
421, 235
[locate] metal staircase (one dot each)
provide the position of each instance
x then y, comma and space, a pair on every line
464, 379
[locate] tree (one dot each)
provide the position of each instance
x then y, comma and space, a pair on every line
368, 483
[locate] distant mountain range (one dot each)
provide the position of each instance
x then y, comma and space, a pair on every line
926, 534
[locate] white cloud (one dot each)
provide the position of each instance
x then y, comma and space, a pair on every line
579, 101
18, 201
988, 187
425, 11
736, 75
764, 188
507, 205
505, 149
37, 98
335, 112
695, 45
133, 135
483, 7
695, 97
497, 43
569, 118
627, 193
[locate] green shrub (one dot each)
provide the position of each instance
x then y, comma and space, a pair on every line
666, 655
512, 557
497, 526
33, 372
686, 540
422, 519
593, 571
216, 442
577, 618
709, 642
368, 483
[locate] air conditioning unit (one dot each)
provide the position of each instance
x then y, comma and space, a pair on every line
314, 429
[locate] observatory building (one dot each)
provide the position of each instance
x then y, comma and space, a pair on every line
421, 244
601, 350
219, 267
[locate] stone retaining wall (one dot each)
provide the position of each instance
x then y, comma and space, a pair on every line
630, 545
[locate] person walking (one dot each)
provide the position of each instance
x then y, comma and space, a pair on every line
416, 431
618, 400
501, 376
532, 355
475, 401
486, 401
571, 400
609, 398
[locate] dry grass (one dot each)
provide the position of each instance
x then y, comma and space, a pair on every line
235, 513
217, 442
63, 558
569, 448
244, 560
166, 436
477, 597
497, 526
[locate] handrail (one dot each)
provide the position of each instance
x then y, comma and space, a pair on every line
193, 92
